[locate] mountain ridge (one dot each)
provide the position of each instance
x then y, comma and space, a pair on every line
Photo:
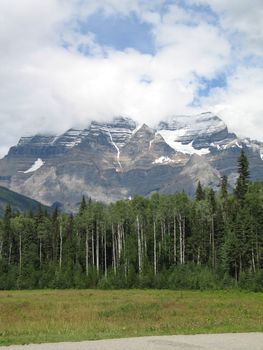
118, 159
18, 202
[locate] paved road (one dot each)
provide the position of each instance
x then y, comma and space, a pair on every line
244, 341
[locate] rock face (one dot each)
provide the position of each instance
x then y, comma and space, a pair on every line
118, 159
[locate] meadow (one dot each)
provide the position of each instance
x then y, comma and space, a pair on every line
73, 315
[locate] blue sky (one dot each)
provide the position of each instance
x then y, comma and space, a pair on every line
120, 32
63, 63
128, 31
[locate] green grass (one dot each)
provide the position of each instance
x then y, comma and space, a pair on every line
73, 315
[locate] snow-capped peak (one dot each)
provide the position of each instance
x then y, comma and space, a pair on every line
193, 125
193, 134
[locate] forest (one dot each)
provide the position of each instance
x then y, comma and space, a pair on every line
212, 241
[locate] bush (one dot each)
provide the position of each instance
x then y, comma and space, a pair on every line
251, 281
192, 277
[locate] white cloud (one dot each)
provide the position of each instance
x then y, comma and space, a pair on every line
48, 88
241, 103
243, 18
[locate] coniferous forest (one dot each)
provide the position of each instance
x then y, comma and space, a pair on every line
213, 241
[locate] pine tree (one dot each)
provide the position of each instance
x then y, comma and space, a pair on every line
223, 187
83, 205
199, 194
157, 242
243, 179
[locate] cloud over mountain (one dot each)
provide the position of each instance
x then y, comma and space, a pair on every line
58, 70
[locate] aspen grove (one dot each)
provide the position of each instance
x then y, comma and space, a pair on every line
166, 241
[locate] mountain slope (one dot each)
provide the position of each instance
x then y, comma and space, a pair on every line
17, 201
118, 159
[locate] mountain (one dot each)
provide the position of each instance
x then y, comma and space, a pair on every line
17, 202
118, 159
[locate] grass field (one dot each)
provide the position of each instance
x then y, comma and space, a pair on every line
72, 315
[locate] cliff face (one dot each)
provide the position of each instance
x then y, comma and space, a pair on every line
118, 159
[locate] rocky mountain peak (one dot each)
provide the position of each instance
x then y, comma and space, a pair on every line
123, 123
143, 130
119, 129
199, 169
115, 159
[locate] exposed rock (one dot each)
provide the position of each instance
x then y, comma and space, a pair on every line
115, 160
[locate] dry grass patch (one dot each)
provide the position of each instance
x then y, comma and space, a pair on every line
72, 315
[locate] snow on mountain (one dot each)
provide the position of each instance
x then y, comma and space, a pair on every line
37, 165
197, 134
197, 131
117, 149
120, 129
171, 137
36, 140
45, 147
163, 160
185, 134
116, 159
193, 125
69, 139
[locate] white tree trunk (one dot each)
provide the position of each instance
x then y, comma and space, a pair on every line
145, 246
105, 253
60, 246
139, 245
119, 242
113, 250
40, 252
92, 248
213, 243
97, 248
181, 239
20, 252
1, 249
253, 260
10, 253
198, 256
175, 238
154, 249
87, 252
257, 252
78, 245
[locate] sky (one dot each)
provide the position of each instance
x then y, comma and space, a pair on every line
64, 63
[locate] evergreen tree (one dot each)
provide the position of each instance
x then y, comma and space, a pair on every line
212, 200
224, 187
83, 205
243, 179
164, 241
199, 194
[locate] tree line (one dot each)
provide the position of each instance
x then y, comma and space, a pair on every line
214, 240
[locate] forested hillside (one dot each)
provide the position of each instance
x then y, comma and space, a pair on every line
166, 241
17, 202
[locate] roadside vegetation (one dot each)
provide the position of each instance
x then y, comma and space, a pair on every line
74, 315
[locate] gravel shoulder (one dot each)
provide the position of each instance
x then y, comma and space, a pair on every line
237, 341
